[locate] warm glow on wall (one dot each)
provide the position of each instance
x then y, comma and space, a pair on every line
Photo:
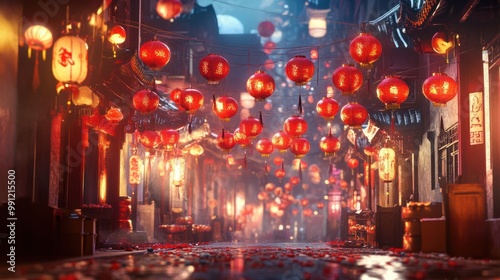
102, 187
178, 167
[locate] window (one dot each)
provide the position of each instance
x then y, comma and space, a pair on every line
448, 155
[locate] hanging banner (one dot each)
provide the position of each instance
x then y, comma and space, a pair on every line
476, 119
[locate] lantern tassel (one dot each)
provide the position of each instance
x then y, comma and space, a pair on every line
36, 74
245, 160
300, 170
213, 102
300, 104
260, 118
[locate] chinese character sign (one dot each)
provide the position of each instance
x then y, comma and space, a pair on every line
387, 164
476, 119
69, 60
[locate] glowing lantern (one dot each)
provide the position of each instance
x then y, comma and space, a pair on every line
117, 35
154, 54
281, 141
269, 64
225, 107
251, 127
392, 91
265, 28
269, 46
145, 101
441, 43
343, 184
212, 203
169, 9
300, 147
38, 38
327, 108
347, 78
84, 96
176, 95
352, 163
196, 150
263, 195
265, 147
329, 144
269, 187
214, 68
439, 89
320, 205
295, 126
365, 49
225, 141
353, 114
191, 100
295, 212
280, 173
294, 180
69, 60
114, 115
150, 139
299, 70
178, 167
277, 160
278, 191
169, 138
240, 138
260, 85
387, 164
304, 202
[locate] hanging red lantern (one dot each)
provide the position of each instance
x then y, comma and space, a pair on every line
439, 89
320, 205
145, 101
280, 173
392, 91
150, 139
154, 54
329, 144
300, 147
169, 9
269, 47
176, 95
304, 202
353, 114
169, 138
225, 141
277, 160
365, 49
352, 163
300, 70
269, 64
265, 28
442, 43
114, 115
70, 60
117, 35
260, 85
327, 108
214, 68
240, 138
191, 100
295, 126
281, 141
347, 78
265, 147
225, 107
251, 127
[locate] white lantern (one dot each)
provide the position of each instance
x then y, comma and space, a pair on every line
387, 164
317, 22
178, 166
69, 60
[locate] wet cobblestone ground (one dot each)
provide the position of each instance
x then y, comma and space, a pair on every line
260, 261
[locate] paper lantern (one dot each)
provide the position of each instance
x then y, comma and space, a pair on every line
38, 38
260, 85
176, 95
150, 139
281, 141
277, 160
145, 101
214, 68
329, 144
240, 138
265, 28
387, 164
280, 174
347, 78
251, 127
439, 89
365, 49
295, 126
196, 150
117, 35
225, 107
169, 9
299, 70
69, 60
225, 141
327, 108
269, 46
177, 170
442, 43
114, 115
300, 147
265, 147
169, 138
154, 54
353, 114
352, 163
392, 91
191, 100
83, 96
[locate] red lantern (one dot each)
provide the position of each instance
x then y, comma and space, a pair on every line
320, 205
439, 89
154, 54
304, 202
365, 49
214, 68
327, 108
225, 107
169, 9
280, 173
264, 146
295, 126
277, 160
117, 35
260, 85
392, 91
442, 43
150, 139
352, 163
353, 114
269, 64
300, 70
294, 180
176, 95
251, 127
329, 144
169, 138
282, 141
191, 100
225, 141
145, 101
347, 78
269, 46
114, 115
240, 138
265, 28
300, 147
